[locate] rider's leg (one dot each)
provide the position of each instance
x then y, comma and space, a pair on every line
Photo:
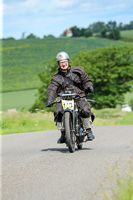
87, 127
85, 113
61, 128
58, 113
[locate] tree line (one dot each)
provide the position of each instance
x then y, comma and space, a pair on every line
109, 30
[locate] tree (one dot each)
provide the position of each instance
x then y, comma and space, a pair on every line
114, 34
9, 38
111, 70
103, 33
49, 36
97, 27
31, 36
111, 25
76, 31
88, 33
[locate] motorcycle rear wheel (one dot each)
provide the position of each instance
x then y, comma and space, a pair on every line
69, 134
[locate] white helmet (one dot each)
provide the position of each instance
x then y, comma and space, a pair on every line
62, 56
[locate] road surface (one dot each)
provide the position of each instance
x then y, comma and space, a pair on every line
35, 167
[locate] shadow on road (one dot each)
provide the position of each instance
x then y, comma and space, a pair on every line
64, 150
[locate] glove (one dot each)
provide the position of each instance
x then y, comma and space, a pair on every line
48, 104
91, 89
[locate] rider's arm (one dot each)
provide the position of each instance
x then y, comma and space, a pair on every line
52, 90
86, 83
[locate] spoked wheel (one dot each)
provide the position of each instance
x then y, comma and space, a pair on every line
69, 134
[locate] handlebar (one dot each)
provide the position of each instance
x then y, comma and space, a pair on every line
63, 95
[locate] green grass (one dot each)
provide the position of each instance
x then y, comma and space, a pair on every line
27, 122
111, 116
128, 97
121, 185
18, 100
127, 34
22, 60
125, 189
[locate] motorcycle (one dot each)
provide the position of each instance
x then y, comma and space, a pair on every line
75, 134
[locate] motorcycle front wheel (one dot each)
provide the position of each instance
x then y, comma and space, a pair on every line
69, 134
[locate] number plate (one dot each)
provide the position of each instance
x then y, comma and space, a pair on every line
68, 104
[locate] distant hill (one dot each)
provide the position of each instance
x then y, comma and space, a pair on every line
22, 60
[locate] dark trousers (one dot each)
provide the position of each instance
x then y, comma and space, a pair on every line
83, 106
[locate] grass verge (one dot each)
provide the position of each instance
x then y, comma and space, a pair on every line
122, 185
21, 122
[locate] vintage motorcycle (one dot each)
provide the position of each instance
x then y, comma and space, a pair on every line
72, 123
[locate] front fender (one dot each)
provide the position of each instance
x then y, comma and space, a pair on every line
68, 110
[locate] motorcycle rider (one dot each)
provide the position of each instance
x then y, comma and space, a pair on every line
70, 78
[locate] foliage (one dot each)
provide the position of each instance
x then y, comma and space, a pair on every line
26, 122
97, 27
114, 34
31, 36
23, 59
111, 70
49, 36
88, 33
9, 38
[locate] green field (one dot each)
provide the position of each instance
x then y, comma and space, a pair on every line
17, 100
22, 60
127, 34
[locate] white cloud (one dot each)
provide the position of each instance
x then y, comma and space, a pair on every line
85, 5
61, 3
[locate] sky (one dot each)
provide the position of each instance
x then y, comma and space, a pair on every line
45, 17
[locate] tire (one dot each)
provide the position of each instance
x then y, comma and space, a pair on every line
70, 137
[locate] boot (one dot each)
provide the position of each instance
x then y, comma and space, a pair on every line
90, 135
62, 138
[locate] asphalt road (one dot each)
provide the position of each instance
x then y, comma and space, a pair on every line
35, 167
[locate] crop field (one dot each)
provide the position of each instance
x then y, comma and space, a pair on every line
17, 100
127, 34
22, 60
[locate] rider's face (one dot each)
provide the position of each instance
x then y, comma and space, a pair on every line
64, 65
